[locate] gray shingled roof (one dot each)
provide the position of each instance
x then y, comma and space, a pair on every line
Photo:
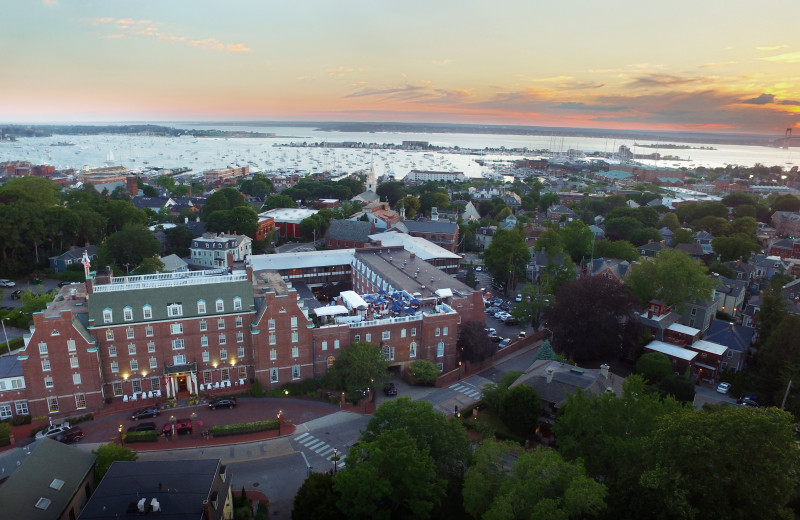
353, 230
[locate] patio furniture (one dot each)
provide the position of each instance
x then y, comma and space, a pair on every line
133, 397
124, 398
202, 387
241, 382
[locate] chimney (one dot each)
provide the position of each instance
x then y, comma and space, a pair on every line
604, 370
550, 375
207, 509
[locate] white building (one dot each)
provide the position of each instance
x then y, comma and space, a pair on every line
212, 250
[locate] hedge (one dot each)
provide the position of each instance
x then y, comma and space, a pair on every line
5, 433
145, 436
225, 430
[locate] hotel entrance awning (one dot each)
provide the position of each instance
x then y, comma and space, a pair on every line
184, 368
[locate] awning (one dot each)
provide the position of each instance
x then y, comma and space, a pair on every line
704, 366
170, 370
444, 293
330, 310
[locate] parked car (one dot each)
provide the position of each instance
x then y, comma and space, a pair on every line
389, 389
518, 298
503, 344
491, 331
143, 427
223, 402
723, 388
6, 283
511, 320
52, 430
478, 268
16, 295
496, 339
746, 401
150, 411
181, 426
69, 436
64, 283
522, 334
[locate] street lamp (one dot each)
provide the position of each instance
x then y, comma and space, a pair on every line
280, 413
121, 438
8, 345
335, 459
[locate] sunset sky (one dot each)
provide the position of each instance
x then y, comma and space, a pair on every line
718, 65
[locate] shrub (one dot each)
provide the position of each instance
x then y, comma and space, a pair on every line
5, 433
146, 436
255, 389
423, 372
19, 420
80, 418
224, 430
262, 513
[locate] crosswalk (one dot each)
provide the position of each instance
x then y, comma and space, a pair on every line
468, 390
321, 448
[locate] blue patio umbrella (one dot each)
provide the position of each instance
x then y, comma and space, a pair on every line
415, 302
397, 306
382, 292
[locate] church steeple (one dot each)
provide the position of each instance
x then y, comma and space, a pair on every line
372, 180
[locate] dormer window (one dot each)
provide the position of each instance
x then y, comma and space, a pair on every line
174, 309
147, 312
220, 305
108, 316
127, 314
201, 306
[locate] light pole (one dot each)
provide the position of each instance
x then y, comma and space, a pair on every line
121, 438
280, 413
8, 345
335, 460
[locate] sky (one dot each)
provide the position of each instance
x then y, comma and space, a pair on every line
691, 65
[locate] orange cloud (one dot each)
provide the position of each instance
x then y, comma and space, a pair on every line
151, 29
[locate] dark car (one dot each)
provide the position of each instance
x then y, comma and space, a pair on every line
16, 295
150, 411
496, 339
181, 426
747, 401
64, 283
224, 402
69, 436
143, 427
389, 389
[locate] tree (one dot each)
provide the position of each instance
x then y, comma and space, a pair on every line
778, 359
621, 249
672, 277
547, 200
670, 221
179, 239
424, 372
470, 278
736, 247
316, 499
388, 477
278, 201
130, 245
529, 310
592, 319
411, 204
391, 192
774, 309
357, 366
694, 464
539, 484
520, 409
653, 367
507, 256
473, 343
107, 454
577, 239
150, 265
493, 394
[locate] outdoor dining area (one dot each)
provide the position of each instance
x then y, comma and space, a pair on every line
350, 307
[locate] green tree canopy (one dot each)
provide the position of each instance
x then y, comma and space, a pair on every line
621, 249
423, 371
507, 256
278, 201
357, 366
316, 499
653, 367
473, 344
129, 246
672, 277
107, 454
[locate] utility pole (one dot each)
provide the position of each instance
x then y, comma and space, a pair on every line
786, 394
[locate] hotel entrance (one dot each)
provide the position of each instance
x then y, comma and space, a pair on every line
182, 385
180, 379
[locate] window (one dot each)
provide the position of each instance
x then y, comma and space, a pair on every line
223, 354
440, 349
237, 304
22, 407
444, 331
177, 344
148, 331
412, 349
110, 334
388, 353
386, 334
239, 322
201, 306
107, 316
273, 354
271, 324
206, 377
115, 366
151, 347
203, 326
220, 305
73, 362
438, 331
176, 328
222, 339
153, 362
203, 341
129, 333
357, 337
221, 323
296, 372
294, 321
694, 311
295, 336
117, 388
134, 365
206, 356
52, 405
43, 348
413, 331
46, 365
127, 313
179, 359
76, 379
174, 310
273, 375
335, 343
295, 352
71, 345
131, 349
5, 411
137, 385
147, 312
324, 345
240, 352
48, 381
368, 337
155, 383
242, 372
225, 374
273, 339
240, 337
402, 333
440, 366
112, 351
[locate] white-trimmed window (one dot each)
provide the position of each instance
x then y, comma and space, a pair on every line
48, 381
80, 401
73, 362
112, 351
117, 388
271, 324
438, 332
129, 333
440, 366
203, 341
273, 354
43, 348
223, 339
52, 404
357, 337
108, 316
223, 354
220, 305
295, 352
5, 411
295, 336
206, 356
237, 304
444, 331
296, 372
46, 365
137, 385
413, 332
240, 352
153, 362
21, 407
134, 364
239, 322
273, 375
148, 331
368, 337
240, 337
331, 360
203, 325
71, 345
176, 328
147, 312
174, 310
127, 313
412, 349
324, 345
293, 321
115, 366
440, 349
179, 359
178, 344
132, 349
273, 339
402, 333
201, 306
221, 323
110, 334
76, 379
151, 346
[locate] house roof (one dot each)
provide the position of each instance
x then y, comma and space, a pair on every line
302, 259
351, 230
173, 263
710, 347
693, 249
652, 246
683, 329
36, 476
566, 380
10, 367
735, 337
77, 253
425, 226
671, 350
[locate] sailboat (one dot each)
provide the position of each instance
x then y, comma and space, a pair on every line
110, 158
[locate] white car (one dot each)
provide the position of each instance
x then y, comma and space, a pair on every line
723, 388
53, 429
6, 283
518, 298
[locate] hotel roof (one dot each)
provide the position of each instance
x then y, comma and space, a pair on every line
290, 215
302, 259
423, 248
